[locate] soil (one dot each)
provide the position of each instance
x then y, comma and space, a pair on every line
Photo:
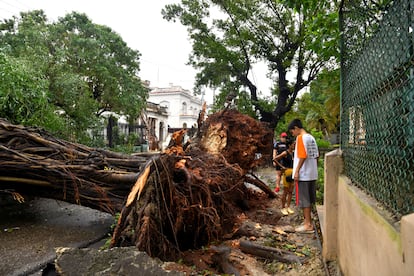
262, 225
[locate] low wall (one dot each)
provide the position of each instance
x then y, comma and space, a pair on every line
359, 235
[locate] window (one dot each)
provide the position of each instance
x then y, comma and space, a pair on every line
184, 108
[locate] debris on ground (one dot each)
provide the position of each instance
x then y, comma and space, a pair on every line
199, 206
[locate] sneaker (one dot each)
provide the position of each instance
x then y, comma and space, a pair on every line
290, 211
284, 211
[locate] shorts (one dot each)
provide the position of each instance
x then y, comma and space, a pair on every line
287, 184
305, 193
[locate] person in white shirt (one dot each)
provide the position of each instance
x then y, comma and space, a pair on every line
305, 172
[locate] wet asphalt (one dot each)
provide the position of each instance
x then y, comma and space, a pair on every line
30, 232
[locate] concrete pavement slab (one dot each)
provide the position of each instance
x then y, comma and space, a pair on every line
30, 232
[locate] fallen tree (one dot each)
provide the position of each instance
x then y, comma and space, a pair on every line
184, 198
192, 194
34, 163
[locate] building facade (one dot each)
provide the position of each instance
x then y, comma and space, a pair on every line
182, 107
155, 118
168, 109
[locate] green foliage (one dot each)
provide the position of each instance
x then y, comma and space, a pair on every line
322, 144
230, 37
320, 141
242, 103
98, 55
24, 97
113, 225
62, 76
325, 93
318, 108
320, 182
125, 144
360, 22
282, 126
95, 137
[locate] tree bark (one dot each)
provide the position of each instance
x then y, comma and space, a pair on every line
267, 252
34, 163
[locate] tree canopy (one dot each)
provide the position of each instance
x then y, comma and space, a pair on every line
318, 108
71, 70
298, 38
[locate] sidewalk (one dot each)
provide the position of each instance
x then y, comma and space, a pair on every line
31, 231
307, 244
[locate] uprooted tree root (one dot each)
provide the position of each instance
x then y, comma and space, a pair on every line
192, 194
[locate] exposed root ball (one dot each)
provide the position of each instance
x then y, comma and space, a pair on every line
191, 197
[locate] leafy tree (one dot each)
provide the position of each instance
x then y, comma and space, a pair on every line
326, 92
359, 20
86, 68
108, 68
101, 58
230, 37
319, 108
26, 38
23, 96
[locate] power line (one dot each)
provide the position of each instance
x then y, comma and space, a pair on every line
23, 4
6, 10
14, 6
10, 9
5, 13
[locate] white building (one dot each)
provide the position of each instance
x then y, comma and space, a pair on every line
167, 110
182, 107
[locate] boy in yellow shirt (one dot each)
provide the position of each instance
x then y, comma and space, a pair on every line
285, 161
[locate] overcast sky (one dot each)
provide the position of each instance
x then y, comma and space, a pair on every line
164, 46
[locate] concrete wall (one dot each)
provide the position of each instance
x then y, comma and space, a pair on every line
357, 233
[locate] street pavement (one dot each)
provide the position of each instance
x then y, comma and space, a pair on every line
30, 232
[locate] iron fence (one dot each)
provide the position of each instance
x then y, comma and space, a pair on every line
377, 99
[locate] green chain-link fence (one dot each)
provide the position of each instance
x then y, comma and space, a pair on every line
377, 99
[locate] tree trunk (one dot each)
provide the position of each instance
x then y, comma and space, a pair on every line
35, 163
110, 131
268, 252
